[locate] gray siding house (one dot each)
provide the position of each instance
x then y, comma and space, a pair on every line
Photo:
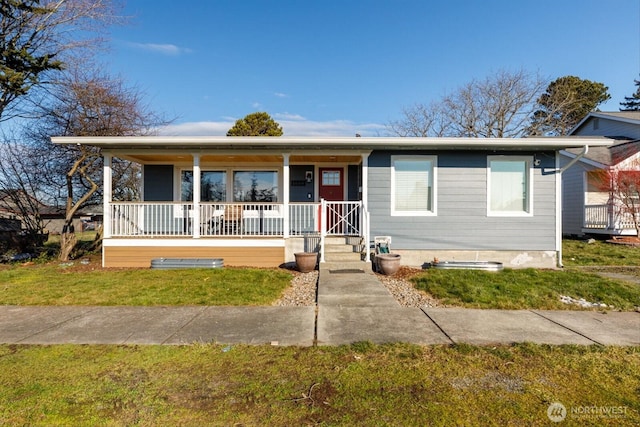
256, 201
587, 208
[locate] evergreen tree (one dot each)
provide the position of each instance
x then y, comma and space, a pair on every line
632, 103
566, 101
256, 124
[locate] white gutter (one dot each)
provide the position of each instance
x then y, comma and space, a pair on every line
575, 160
558, 177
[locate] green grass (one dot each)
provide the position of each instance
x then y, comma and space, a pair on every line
581, 253
57, 284
53, 283
524, 289
356, 385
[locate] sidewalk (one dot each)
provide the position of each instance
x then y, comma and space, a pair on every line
352, 306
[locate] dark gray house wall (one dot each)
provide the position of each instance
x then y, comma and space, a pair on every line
462, 222
354, 181
158, 183
299, 189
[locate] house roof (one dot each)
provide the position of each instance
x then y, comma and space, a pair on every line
362, 144
631, 117
622, 146
613, 154
623, 116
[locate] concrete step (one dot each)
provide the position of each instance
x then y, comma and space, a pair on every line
342, 256
343, 240
340, 248
353, 265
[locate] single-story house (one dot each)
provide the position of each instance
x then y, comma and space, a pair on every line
256, 201
588, 208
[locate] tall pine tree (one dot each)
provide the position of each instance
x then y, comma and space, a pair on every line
632, 103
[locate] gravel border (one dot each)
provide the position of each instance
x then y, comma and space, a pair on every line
302, 291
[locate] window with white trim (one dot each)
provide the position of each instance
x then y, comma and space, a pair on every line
413, 185
509, 186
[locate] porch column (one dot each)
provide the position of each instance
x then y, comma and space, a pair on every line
365, 181
196, 197
365, 204
285, 194
108, 194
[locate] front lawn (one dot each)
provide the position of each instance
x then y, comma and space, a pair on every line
77, 284
55, 283
525, 289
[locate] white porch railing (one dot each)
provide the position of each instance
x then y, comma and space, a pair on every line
241, 219
304, 218
167, 219
597, 216
151, 219
607, 217
176, 219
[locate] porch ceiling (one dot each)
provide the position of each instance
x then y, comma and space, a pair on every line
325, 159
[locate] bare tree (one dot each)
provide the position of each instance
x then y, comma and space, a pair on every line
19, 190
498, 106
88, 103
421, 120
37, 40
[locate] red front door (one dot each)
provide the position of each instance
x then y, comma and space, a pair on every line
332, 190
331, 184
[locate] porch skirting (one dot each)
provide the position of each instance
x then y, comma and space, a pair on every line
236, 253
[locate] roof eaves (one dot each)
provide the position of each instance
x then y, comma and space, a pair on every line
340, 143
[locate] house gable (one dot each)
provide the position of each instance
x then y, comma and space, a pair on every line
615, 125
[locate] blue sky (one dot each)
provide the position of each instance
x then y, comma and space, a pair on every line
340, 67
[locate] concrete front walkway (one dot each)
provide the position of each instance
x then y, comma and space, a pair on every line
352, 306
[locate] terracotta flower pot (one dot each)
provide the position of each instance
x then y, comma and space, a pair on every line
388, 264
306, 261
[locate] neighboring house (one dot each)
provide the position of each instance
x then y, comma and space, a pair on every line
86, 219
18, 204
52, 217
588, 208
256, 201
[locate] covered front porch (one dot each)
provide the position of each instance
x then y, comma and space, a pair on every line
248, 207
